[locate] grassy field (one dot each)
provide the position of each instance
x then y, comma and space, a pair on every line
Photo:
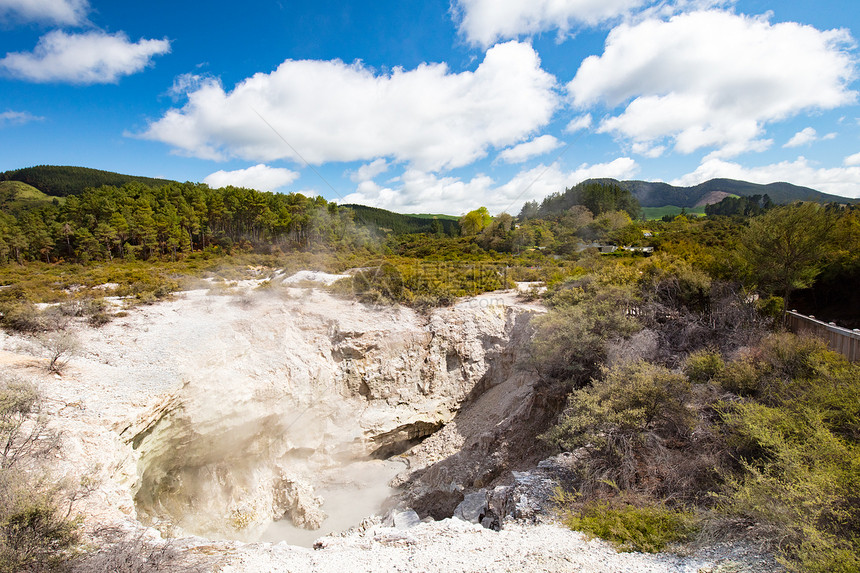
16, 195
659, 212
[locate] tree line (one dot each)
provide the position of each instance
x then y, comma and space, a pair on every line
136, 221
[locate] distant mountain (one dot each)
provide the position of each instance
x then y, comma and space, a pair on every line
655, 194
64, 180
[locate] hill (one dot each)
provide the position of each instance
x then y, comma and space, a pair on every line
658, 194
399, 224
15, 196
62, 180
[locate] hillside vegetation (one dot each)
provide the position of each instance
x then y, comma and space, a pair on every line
62, 181
690, 412
16, 196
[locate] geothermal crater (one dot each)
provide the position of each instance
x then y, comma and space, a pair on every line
266, 413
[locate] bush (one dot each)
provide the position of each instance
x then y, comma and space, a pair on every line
570, 341
122, 553
36, 533
624, 422
799, 454
22, 316
703, 366
60, 347
648, 529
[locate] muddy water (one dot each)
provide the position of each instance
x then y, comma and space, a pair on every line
351, 493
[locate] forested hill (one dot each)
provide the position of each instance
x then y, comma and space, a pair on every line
62, 180
399, 224
656, 194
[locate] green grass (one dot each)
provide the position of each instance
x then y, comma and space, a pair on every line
659, 212
15, 195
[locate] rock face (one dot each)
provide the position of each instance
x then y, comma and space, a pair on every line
224, 413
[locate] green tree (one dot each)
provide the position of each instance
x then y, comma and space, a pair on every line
474, 222
784, 249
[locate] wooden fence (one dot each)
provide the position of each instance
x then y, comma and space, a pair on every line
841, 340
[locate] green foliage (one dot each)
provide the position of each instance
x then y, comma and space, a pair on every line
597, 196
631, 409
648, 529
21, 316
799, 454
421, 284
750, 206
703, 366
570, 341
64, 180
783, 250
36, 533
387, 221
172, 221
475, 221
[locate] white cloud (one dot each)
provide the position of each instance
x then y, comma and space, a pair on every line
60, 12
89, 58
370, 170
332, 111
852, 159
802, 137
534, 148
484, 22
17, 118
422, 192
579, 123
260, 177
843, 181
648, 150
713, 79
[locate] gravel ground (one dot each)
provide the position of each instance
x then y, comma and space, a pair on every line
453, 545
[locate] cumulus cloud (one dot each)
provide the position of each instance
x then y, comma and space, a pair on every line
10, 117
90, 58
260, 177
713, 79
579, 123
534, 148
843, 181
332, 111
802, 137
60, 12
483, 22
422, 192
370, 170
852, 159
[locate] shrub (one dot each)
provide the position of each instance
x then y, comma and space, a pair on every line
570, 342
648, 529
702, 366
22, 316
36, 533
741, 376
119, 552
60, 347
799, 454
624, 421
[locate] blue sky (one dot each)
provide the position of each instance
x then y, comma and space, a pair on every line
435, 106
